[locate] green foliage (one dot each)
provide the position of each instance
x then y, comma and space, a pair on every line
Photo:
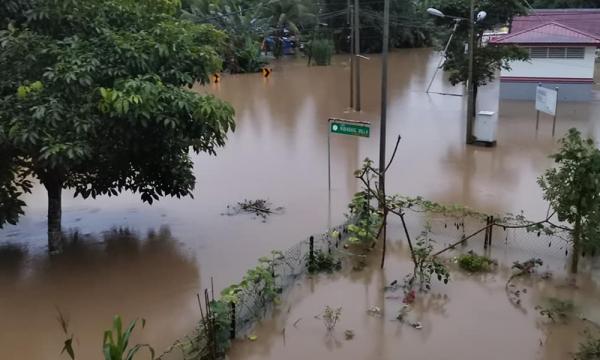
589, 349
330, 317
322, 262
410, 25
365, 220
488, 59
249, 58
221, 313
115, 343
474, 263
321, 50
573, 190
426, 266
292, 14
92, 98
260, 280
556, 309
244, 25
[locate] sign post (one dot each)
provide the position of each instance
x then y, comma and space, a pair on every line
546, 101
342, 127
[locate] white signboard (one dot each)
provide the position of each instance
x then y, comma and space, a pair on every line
545, 100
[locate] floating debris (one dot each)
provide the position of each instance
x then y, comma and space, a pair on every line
374, 311
349, 334
260, 208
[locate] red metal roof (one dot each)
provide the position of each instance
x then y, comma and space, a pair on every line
550, 33
586, 20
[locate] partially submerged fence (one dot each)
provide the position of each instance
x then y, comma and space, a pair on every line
235, 313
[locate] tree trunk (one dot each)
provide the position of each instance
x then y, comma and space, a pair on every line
576, 245
54, 187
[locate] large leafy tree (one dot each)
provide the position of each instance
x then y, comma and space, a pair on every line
292, 14
241, 20
573, 190
93, 98
488, 59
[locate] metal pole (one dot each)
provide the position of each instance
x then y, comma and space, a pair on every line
351, 21
555, 112
384, 76
537, 121
328, 175
357, 51
470, 83
443, 58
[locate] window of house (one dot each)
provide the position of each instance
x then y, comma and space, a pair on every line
557, 52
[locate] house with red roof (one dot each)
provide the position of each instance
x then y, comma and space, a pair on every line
562, 48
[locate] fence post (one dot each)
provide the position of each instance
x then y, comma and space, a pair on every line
491, 231
311, 251
233, 325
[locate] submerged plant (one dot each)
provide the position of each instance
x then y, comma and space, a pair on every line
589, 349
115, 343
330, 317
426, 265
557, 309
322, 261
474, 263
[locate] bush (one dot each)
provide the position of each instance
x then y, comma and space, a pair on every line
247, 58
473, 263
589, 349
322, 262
321, 51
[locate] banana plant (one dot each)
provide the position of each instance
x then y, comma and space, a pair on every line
116, 342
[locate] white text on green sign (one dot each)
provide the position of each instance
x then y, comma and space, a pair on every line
362, 130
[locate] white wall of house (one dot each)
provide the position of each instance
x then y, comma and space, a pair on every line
555, 68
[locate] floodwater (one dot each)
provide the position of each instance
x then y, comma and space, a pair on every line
279, 152
470, 318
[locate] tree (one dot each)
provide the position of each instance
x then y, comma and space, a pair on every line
241, 20
488, 59
291, 14
92, 98
573, 190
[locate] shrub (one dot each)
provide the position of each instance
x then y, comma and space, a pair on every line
321, 51
322, 262
589, 349
556, 309
473, 263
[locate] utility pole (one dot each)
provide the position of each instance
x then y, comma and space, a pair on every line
383, 123
470, 83
357, 51
350, 21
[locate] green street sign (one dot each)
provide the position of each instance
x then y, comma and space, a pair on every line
362, 130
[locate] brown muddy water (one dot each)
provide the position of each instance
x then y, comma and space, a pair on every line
279, 152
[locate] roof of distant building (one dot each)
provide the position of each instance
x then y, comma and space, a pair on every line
549, 33
586, 20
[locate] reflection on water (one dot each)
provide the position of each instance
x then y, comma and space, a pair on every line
94, 280
279, 152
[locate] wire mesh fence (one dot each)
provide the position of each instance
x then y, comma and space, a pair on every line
254, 300
287, 267
506, 242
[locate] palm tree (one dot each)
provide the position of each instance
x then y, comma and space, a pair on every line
291, 14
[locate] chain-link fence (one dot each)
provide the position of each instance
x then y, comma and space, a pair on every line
504, 242
287, 267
